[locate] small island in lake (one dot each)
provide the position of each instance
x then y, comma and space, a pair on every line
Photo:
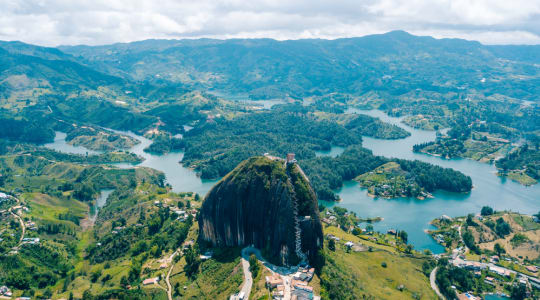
402, 178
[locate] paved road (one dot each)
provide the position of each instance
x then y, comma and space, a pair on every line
434, 286
248, 279
285, 273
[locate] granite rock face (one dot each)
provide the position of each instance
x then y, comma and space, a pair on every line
265, 203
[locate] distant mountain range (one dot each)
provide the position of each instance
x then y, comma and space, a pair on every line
391, 63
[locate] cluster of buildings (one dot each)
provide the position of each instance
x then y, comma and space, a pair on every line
439, 238
300, 288
493, 270
184, 214
30, 225
297, 283
478, 266
117, 229
330, 220
3, 197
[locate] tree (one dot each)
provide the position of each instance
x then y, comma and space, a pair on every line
177, 289
47, 293
124, 282
519, 292
192, 262
486, 211
409, 249
470, 221
332, 245
95, 276
499, 249
254, 266
87, 295
502, 228
369, 228
403, 236
468, 239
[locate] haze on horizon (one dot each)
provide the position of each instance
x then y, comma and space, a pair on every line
96, 22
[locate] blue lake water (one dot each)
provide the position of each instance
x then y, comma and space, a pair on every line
414, 215
180, 178
333, 152
244, 98
60, 145
100, 202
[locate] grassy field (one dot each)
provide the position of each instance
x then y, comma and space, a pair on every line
521, 225
521, 177
45, 207
377, 273
218, 278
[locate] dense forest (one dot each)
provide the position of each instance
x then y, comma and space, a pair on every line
164, 143
328, 174
159, 233
373, 127
526, 159
216, 147
25, 131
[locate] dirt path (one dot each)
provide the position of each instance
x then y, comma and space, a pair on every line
167, 278
434, 286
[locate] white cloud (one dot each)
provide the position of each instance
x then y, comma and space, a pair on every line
54, 22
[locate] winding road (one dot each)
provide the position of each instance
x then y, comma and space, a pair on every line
20, 221
432, 277
248, 279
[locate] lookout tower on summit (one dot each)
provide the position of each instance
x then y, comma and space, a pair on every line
290, 158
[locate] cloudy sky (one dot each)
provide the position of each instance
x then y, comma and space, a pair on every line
94, 22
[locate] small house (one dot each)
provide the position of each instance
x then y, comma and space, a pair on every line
532, 269
273, 281
149, 281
